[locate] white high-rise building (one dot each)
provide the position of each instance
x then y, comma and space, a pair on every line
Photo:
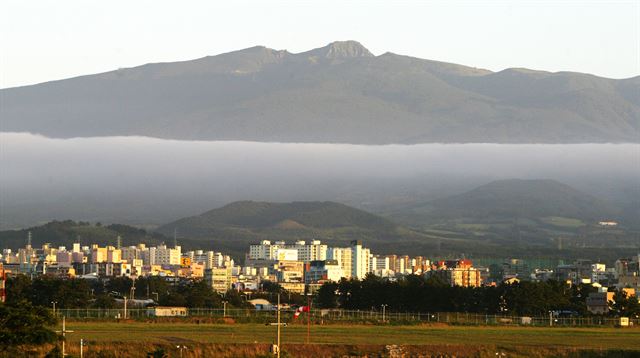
265, 250
287, 255
344, 258
162, 255
360, 260
379, 263
314, 251
208, 258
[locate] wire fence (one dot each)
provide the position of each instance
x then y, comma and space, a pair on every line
322, 316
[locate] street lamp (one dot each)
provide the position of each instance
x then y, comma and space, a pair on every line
224, 308
54, 307
384, 309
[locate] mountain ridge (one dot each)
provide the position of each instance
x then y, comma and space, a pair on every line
339, 93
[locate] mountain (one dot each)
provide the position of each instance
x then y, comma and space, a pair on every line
309, 218
339, 93
515, 198
233, 227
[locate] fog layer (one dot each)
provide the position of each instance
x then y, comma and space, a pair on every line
148, 181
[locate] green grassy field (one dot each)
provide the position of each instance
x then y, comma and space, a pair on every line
596, 338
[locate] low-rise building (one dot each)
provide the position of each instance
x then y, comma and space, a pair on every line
600, 302
457, 273
322, 271
166, 311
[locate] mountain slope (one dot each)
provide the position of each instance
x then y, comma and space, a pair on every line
232, 228
254, 216
338, 93
515, 198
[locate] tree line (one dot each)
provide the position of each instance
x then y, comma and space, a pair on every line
412, 293
415, 293
103, 293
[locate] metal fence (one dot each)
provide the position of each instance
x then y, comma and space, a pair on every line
337, 316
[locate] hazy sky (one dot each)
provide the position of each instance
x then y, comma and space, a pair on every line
46, 40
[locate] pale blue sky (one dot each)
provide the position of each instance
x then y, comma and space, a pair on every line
47, 40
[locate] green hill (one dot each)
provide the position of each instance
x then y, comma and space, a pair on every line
281, 220
232, 228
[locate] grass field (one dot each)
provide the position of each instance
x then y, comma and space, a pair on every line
563, 222
523, 339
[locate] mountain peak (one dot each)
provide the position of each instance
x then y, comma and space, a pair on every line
341, 49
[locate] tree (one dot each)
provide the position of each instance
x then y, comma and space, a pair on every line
625, 305
56, 352
199, 294
235, 299
157, 353
273, 287
19, 289
327, 295
23, 325
104, 301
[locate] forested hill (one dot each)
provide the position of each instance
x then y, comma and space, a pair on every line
233, 227
340, 93
65, 233
279, 219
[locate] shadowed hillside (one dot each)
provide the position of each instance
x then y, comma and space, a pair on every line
515, 198
298, 217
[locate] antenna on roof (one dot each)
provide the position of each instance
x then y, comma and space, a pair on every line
175, 237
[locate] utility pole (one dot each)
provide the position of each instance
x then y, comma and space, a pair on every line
278, 340
124, 315
82, 344
64, 332
384, 309
54, 307
132, 293
276, 347
309, 318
